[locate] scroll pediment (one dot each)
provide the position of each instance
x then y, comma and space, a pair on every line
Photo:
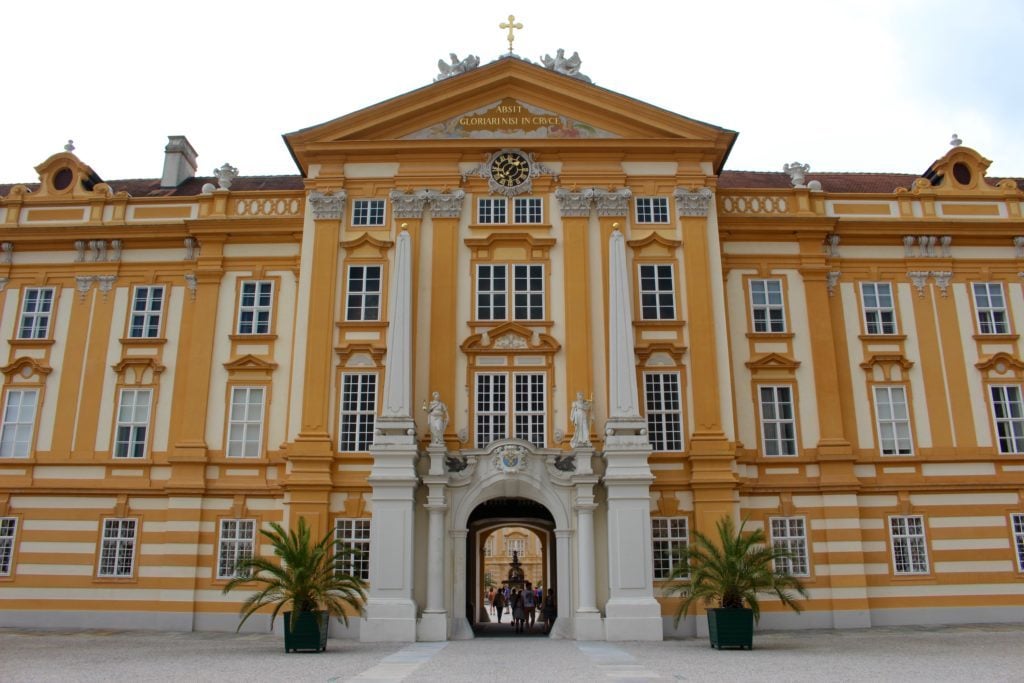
961, 170
1001, 365
25, 368
510, 337
367, 246
654, 246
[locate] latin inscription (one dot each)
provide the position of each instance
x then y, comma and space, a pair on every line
508, 115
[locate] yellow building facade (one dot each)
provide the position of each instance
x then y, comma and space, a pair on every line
511, 298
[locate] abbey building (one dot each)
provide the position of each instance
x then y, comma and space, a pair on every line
511, 299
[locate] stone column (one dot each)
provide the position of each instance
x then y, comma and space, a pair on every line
390, 609
433, 625
631, 613
461, 628
564, 623
588, 618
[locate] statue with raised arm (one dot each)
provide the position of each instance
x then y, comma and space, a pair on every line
580, 417
437, 418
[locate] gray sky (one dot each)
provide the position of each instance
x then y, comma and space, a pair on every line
869, 85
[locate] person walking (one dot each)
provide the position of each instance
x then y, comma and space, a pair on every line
490, 599
518, 614
499, 603
549, 611
529, 605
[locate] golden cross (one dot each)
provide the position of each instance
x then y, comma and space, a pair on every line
511, 25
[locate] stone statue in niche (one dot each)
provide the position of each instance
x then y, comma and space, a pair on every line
437, 418
580, 417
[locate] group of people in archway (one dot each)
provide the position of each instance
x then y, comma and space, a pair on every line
524, 605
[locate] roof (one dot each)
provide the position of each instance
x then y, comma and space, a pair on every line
150, 187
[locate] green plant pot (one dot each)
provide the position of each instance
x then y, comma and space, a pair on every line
310, 632
731, 627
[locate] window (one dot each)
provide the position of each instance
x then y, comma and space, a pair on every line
909, 553
893, 421
489, 547
879, 312
237, 537
255, 307
358, 411
652, 209
117, 554
7, 527
368, 212
527, 291
664, 411
1016, 521
778, 425
515, 545
991, 308
530, 408
355, 534
669, 536
363, 301
36, 309
657, 295
147, 306
525, 210
1009, 415
18, 423
790, 534
766, 306
132, 423
245, 422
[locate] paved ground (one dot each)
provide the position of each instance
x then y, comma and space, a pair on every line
970, 653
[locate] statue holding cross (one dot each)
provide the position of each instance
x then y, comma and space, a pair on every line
511, 26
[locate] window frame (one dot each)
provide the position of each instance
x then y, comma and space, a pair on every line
796, 545
8, 544
489, 213
664, 560
362, 294
370, 212
147, 314
505, 305
255, 308
658, 418
653, 210
989, 315
357, 536
657, 278
118, 542
878, 310
132, 425
5, 424
763, 422
363, 419
35, 316
245, 423
1016, 434
909, 548
510, 414
235, 545
768, 307
893, 422
1017, 538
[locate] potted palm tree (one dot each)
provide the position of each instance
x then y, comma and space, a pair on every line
308, 578
730, 574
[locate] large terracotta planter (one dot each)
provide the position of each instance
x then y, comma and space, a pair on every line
731, 627
310, 632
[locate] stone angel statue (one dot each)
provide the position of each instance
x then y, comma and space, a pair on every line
568, 67
457, 66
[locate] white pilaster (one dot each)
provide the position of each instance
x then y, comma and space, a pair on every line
433, 625
588, 618
564, 621
461, 628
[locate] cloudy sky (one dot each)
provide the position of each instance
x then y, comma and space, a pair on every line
871, 85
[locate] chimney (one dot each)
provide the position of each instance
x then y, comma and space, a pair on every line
179, 161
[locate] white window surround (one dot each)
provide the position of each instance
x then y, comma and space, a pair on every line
8, 534
879, 308
524, 211
990, 308
255, 307
236, 543
353, 532
147, 311
1008, 414
358, 411
664, 408
369, 212
767, 307
657, 291
669, 536
790, 534
117, 549
525, 409
652, 210
495, 287
133, 410
909, 546
892, 420
245, 422
778, 420
36, 312
17, 429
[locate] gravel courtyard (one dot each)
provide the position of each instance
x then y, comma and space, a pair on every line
966, 653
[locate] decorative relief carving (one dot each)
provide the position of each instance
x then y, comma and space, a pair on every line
535, 167
268, 207
690, 203
908, 246
919, 278
115, 250
755, 205
191, 248
510, 459
1018, 245
226, 174
80, 249
408, 204
82, 285
574, 204
612, 202
928, 246
833, 279
797, 172
942, 279
446, 204
458, 66
105, 284
565, 66
510, 341
832, 245
328, 206
192, 282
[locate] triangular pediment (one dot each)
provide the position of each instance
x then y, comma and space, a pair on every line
510, 337
509, 99
773, 361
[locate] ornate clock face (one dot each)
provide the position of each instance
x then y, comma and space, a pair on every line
510, 169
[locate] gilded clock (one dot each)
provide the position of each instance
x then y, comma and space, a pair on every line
510, 169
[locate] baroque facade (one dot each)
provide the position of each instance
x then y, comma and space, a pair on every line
626, 340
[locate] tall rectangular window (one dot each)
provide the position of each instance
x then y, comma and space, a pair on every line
355, 534
669, 536
652, 209
8, 525
255, 307
132, 423
879, 310
491, 292
147, 307
767, 309
991, 308
778, 424
18, 423
363, 299
36, 310
657, 292
369, 212
358, 411
909, 550
491, 408
1008, 411
527, 210
515, 545
790, 534
893, 420
528, 291
117, 552
492, 210
663, 400
1017, 522
530, 411
245, 422
237, 538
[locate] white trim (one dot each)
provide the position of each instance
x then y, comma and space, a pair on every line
912, 541
120, 537
239, 447
262, 313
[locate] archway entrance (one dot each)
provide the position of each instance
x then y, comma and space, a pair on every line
498, 527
